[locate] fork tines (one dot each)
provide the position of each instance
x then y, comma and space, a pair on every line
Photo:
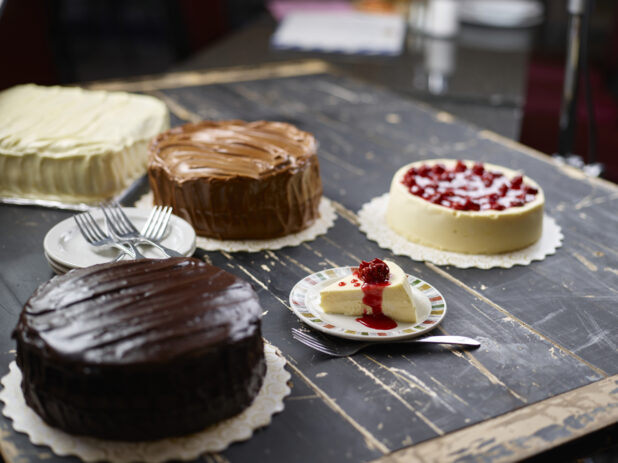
88, 227
155, 226
118, 219
312, 342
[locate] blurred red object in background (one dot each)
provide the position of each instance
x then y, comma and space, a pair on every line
545, 79
540, 122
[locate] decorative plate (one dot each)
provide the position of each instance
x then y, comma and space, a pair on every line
305, 302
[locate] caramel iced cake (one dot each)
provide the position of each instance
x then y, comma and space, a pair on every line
465, 207
141, 349
378, 292
238, 180
73, 145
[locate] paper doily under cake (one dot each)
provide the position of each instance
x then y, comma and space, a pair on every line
213, 439
372, 217
324, 222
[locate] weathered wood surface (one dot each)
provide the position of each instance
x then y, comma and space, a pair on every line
547, 329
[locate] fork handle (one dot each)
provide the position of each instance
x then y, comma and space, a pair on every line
169, 252
138, 254
455, 340
124, 251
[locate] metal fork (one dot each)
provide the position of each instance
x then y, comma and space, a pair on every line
92, 233
339, 348
155, 226
121, 226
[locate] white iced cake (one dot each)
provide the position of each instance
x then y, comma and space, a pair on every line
352, 295
465, 207
73, 145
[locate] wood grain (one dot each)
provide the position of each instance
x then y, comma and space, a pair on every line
197, 78
523, 432
548, 330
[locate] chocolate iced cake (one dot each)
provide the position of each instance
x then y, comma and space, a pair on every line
141, 350
237, 180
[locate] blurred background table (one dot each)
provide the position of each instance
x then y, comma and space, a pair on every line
508, 80
489, 90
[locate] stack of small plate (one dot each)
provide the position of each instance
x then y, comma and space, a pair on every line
501, 13
66, 249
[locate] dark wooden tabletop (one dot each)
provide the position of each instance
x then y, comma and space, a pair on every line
547, 371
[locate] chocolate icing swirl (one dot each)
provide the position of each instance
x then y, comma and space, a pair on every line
142, 311
231, 148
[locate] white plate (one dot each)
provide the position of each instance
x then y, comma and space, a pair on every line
501, 13
305, 302
65, 246
56, 267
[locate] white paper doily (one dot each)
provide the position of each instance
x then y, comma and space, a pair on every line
213, 439
372, 217
324, 222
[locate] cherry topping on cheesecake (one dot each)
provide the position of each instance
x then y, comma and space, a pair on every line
467, 188
375, 271
375, 276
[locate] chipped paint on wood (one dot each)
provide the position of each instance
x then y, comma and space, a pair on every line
8, 450
590, 201
393, 118
370, 440
176, 108
445, 117
353, 257
589, 265
215, 458
320, 255
275, 257
397, 396
303, 397
299, 264
513, 318
226, 75
523, 432
345, 213
488, 374
323, 154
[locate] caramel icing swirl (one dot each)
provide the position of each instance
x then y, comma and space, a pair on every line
224, 149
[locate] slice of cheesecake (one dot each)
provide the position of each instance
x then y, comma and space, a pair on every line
352, 295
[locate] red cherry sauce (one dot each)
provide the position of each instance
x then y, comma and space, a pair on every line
467, 188
374, 275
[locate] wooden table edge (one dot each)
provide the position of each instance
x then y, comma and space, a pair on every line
181, 79
524, 432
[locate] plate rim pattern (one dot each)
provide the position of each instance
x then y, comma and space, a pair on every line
298, 303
